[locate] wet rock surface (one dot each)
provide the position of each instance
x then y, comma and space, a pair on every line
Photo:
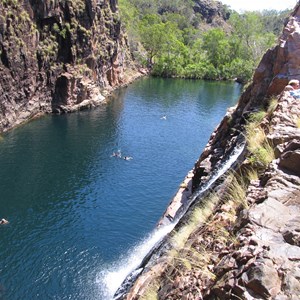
245, 249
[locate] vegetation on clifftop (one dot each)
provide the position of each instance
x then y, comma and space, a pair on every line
184, 39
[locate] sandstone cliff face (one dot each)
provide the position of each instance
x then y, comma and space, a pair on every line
213, 12
241, 242
58, 55
277, 67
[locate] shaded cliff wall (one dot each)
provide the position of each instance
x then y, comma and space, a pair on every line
214, 13
58, 55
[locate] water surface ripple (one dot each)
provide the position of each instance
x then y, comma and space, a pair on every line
75, 211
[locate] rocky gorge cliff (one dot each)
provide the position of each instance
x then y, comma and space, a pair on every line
59, 56
239, 239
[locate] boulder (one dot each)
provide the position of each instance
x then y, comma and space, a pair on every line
290, 160
263, 279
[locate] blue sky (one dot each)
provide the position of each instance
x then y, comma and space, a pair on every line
240, 5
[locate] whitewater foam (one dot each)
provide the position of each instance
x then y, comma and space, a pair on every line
113, 277
128, 269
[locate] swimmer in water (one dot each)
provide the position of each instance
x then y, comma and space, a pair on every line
117, 154
127, 157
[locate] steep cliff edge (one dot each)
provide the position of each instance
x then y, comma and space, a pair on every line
241, 239
59, 56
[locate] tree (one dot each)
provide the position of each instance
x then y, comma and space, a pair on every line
177, 42
216, 45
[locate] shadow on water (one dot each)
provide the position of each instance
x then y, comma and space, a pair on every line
74, 210
153, 246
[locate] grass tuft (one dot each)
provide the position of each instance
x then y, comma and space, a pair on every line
255, 136
257, 117
262, 155
262, 152
199, 216
272, 106
252, 174
151, 292
236, 190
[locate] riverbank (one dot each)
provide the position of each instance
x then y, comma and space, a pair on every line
93, 97
240, 241
60, 57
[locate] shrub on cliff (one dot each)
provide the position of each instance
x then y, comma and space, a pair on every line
261, 151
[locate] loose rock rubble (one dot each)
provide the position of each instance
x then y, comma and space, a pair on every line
250, 249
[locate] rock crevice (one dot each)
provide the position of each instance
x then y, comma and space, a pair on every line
242, 241
59, 56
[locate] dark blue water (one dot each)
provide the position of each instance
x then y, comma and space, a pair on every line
75, 212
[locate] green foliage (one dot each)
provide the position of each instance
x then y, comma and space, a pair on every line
77, 5
261, 151
249, 32
170, 33
241, 69
216, 46
272, 20
272, 106
48, 48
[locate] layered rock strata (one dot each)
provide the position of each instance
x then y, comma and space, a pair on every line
245, 246
59, 56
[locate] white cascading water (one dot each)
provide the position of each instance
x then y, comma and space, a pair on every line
113, 278
215, 176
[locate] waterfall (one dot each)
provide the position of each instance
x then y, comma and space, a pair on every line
120, 280
219, 171
119, 277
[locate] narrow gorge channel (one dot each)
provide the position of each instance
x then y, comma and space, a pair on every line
75, 211
152, 245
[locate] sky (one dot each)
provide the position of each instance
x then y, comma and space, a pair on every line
243, 5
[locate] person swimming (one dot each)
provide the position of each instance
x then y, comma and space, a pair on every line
117, 154
127, 157
3, 221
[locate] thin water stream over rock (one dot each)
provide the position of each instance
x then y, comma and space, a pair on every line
75, 211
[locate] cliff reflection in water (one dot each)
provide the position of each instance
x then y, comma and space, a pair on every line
74, 209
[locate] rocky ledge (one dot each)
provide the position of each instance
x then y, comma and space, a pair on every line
59, 56
241, 239
243, 244
257, 255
